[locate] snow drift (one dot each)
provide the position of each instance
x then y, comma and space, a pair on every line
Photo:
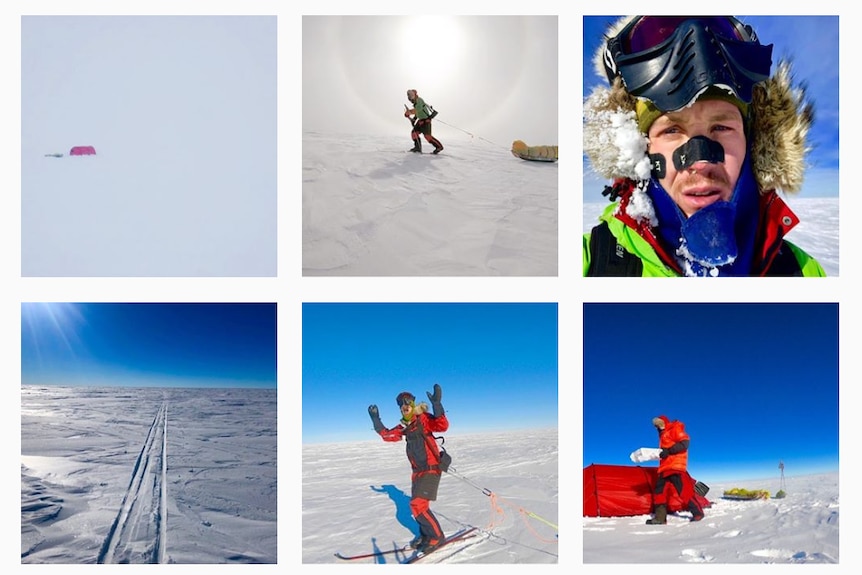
370, 208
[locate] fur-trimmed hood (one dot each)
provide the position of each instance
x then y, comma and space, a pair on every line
661, 421
781, 116
418, 409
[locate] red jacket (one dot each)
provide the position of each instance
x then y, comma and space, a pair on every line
673, 434
422, 450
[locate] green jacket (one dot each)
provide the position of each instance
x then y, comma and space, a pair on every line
629, 239
421, 109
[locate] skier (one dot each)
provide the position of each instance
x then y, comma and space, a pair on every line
672, 470
422, 116
417, 427
698, 139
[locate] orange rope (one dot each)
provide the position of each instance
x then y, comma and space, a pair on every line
498, 516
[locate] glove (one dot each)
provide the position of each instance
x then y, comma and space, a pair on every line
406, 113
663, 453
435, 400
375, 418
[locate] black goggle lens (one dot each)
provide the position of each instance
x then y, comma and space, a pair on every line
649, 31
404, 399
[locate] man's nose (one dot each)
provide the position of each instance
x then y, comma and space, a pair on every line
697, 150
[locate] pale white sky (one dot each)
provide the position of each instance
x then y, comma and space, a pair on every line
182, 112
492, 77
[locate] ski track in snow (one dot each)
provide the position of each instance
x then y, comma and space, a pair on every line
97, 487
137, 534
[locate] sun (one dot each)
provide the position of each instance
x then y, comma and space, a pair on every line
50, 328
432, 51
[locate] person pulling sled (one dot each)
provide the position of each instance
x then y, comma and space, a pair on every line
420, 116
417, 427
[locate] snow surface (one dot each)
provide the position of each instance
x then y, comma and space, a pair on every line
123, 475
356, 498
816, 233
138, 213
800, 528
371, 208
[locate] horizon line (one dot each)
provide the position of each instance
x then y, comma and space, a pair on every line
447, 434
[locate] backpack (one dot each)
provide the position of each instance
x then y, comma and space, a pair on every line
444, 457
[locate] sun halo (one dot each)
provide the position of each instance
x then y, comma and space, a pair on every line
432, 52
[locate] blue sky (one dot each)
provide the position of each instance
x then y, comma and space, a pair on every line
754, 383
149, 344
811, 42
496, 364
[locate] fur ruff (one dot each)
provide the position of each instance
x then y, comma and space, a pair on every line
782, 116
418, 408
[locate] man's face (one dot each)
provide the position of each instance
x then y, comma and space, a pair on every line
702, 183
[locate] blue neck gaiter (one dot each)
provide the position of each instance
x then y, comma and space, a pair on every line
717, 240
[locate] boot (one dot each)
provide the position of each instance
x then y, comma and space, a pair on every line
696, 511
417, 146
438, 147
429, 545
418, 541
660, 517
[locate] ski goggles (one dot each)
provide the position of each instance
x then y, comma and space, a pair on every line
648, 32
671, 60
405, 399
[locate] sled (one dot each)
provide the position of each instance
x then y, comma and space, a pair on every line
534, 153
738, 494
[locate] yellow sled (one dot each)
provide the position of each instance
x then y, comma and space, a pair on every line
534, 153
745, 494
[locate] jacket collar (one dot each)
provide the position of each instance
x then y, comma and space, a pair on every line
776, 221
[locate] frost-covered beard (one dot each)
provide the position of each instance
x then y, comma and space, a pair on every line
717, 240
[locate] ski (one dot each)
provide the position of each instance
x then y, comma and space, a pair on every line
374, 554
459, 536
463, 534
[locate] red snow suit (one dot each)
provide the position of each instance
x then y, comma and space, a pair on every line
422, 450
673, 433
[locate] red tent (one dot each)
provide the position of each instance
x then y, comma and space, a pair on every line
624, 490
83, 151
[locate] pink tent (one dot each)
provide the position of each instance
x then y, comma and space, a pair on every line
83, 151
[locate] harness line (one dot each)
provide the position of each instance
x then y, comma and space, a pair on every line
498, 514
